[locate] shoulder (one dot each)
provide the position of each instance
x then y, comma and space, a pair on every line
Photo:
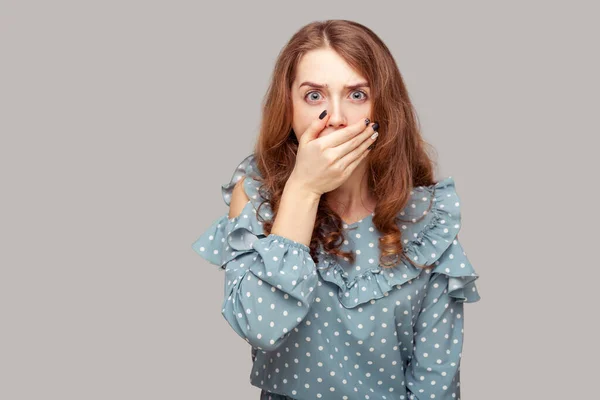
429, 207
239, 199
430, 223
238, 176
246, 178
434, 239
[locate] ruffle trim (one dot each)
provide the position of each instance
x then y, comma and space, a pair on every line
227, 238
249, 169
430, 246
455, 264
427, 248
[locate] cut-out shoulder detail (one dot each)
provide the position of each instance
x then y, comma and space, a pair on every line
240, 182
248, 169
239, 199
243, 170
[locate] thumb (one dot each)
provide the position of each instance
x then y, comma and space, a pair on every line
315, 128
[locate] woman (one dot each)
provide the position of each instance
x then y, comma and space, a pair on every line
342, 263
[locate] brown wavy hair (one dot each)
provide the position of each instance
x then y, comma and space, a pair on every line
396, 164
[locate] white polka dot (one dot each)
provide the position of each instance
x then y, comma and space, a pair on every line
345, 328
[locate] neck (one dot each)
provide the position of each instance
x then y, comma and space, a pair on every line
353, 196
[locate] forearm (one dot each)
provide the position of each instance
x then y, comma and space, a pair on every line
269, 291
297, 213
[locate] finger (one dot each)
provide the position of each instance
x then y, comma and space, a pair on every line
314, 129
345, 148
358, 151
355, 163
343, 135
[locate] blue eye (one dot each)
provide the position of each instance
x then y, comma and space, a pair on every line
309, 93
360, 91
365, 96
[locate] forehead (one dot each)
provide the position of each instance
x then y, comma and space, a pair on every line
327, 67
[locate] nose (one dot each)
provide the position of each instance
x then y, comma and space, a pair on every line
337, 120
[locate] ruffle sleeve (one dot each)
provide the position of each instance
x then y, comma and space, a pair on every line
429, 246
460, 273
227, 237
269, 279
248, 169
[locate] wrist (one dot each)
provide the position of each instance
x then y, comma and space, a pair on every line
301, 191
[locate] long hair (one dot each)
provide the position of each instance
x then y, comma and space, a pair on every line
396, 164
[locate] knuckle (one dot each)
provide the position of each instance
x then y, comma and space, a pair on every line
338, 168
330, 158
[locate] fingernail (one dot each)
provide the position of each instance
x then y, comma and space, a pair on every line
367, 121
323, 114
371, 146
375, 126
374, 135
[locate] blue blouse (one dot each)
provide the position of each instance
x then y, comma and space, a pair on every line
340, 330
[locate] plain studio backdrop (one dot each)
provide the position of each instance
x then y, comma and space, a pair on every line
121, 119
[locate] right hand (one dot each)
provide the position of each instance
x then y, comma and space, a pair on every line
324, 163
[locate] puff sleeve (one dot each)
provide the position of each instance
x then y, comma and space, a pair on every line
270, 280
434, 368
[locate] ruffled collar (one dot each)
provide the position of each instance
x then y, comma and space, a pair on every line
429, 244
442, 226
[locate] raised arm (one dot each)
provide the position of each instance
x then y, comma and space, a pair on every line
269, 279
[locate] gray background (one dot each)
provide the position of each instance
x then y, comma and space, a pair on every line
121, 119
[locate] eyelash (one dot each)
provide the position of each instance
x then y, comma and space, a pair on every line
360, 91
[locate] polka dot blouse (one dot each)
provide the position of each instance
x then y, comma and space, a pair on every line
338, 330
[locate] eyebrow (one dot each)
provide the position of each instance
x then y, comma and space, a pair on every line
321, 86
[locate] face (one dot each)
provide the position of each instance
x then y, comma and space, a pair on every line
325, 81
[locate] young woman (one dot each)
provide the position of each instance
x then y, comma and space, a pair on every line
342, 263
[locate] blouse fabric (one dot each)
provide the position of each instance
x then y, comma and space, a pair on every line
332, 329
